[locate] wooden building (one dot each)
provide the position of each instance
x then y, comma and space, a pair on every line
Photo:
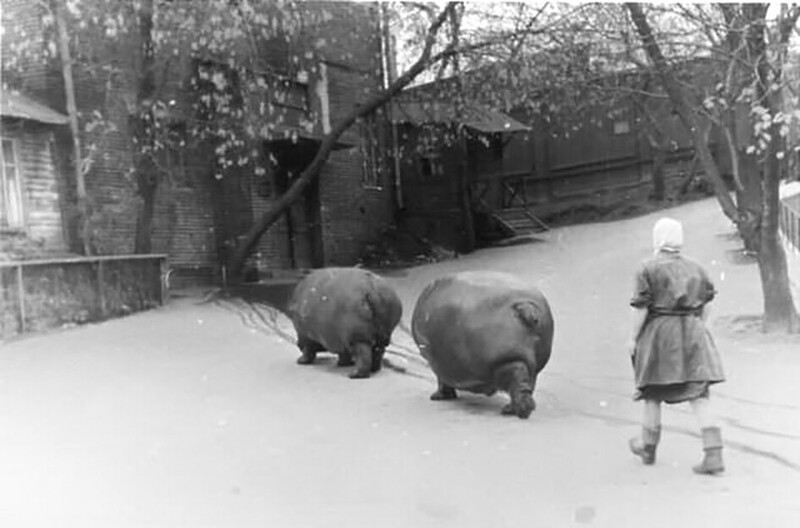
451, 157
526, 169
609, 155
32, 191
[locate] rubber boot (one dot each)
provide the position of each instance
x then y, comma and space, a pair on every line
645, 447
712, 446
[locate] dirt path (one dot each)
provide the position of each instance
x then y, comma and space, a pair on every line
196, 415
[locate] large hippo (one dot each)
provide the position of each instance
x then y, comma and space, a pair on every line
483, 332
350, 312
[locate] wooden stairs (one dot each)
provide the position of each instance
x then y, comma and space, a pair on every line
519, 221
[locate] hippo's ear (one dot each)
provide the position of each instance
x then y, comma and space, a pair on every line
526, 311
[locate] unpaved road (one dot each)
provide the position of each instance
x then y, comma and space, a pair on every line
194, 415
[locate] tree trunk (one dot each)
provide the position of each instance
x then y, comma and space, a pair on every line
779, 310
659, 181
759, 230
657, 141
146, 189
72, 112
143, 123
250, 239
749, 202
464, 198
780, 313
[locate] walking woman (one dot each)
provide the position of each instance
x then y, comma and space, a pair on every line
674, 357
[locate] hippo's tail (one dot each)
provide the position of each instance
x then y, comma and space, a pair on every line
528, 313
386, 310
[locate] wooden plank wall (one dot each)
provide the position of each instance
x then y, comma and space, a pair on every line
43, 225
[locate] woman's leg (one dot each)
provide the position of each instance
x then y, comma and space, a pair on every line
652, 414
645, 446
704, 412
712, 438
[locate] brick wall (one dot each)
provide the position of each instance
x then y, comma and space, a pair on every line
184, 226
23, 51
273, 250
183, 222
352, 214
347, 42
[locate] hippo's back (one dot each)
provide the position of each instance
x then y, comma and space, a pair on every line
335, 306
468, 323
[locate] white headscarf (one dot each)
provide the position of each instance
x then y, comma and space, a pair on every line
667, 236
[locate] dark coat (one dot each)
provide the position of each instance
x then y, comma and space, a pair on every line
674, 345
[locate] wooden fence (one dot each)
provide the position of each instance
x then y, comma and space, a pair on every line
37, 295
790, 221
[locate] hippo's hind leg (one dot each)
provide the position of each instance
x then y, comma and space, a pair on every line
521, 405
362, 353
444, 392
345, 359
308, 350
377, 358
516, 380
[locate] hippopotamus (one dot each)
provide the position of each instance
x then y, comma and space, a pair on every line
350, 312
482, 332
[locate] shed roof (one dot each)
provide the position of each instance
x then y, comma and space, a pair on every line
475, 116
14, 104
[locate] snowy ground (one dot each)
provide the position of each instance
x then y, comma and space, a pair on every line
196, 415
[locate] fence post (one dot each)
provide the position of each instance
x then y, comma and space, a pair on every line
21, 294
100, 293
163, 275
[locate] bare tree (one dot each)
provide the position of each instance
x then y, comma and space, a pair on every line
753, 82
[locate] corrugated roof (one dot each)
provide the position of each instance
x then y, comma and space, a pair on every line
14, 104
473, 115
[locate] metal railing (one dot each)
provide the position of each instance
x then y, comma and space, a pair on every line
515, 194
790, 220
46, 293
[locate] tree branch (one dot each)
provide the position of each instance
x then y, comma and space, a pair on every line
682, 106
786, 24
425, 60
525, 32
451, 50
48, 8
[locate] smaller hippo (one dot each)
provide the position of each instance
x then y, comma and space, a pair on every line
350, 312
483, 332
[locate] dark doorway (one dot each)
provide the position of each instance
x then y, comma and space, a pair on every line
303, 218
